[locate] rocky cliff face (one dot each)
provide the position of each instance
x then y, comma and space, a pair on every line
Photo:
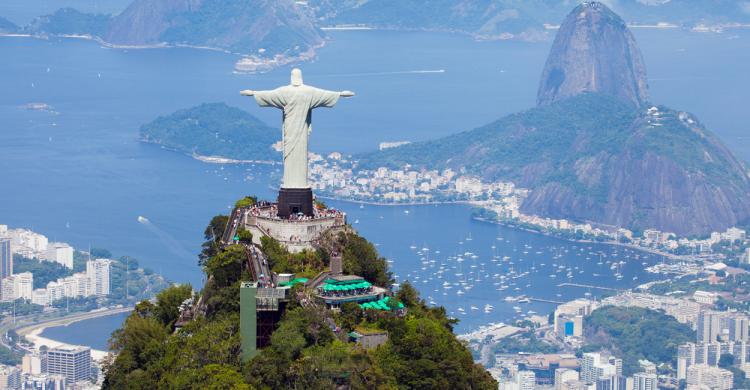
596, 158
593, 52
239, 25
593, 150
143, 22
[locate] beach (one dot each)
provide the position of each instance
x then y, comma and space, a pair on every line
33, 332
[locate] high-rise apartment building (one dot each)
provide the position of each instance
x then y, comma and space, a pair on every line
6, 258
60, 253
72, 362
645, 381
525, 380
715, 326
701, 376
98, 272
10, 377
17, 286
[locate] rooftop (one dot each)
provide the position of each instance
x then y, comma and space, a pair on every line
270, 211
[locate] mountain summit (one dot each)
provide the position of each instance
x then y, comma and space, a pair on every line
593, 52
236, 25
592, 150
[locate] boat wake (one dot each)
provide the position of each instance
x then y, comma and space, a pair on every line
167, 239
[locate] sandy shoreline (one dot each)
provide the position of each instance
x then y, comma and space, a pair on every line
32, 333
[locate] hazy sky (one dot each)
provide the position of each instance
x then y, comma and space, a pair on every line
23, 11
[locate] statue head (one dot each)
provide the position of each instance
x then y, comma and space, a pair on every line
296, 77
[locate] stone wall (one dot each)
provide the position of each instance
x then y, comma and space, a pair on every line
295, 235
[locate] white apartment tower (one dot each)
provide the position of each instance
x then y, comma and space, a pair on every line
97, 272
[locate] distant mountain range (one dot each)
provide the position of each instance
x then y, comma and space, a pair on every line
214, 130
595, 149
242, 26
6, 26
267, 28
513, 19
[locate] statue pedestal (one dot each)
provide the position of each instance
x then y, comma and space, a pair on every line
295, 200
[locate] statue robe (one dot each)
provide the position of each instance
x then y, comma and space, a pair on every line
297, 103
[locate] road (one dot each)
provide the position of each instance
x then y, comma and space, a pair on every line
33, 325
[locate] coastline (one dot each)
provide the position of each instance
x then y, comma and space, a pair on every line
373, 203
670, 256
245, 64
33, 332
625, 245
207, 159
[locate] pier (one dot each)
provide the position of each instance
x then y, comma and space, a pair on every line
589, 286
546, 300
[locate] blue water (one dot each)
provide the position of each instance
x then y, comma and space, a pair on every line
79, 175
94, 332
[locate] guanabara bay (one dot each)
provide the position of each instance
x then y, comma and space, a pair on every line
374, 194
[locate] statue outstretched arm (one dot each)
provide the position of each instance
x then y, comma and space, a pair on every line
346, 93
274, 98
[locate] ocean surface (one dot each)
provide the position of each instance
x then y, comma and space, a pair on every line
77, 173
94, 333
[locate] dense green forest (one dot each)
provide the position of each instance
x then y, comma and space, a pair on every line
635, 333
561, 135
214, 129
309, 349
68, 21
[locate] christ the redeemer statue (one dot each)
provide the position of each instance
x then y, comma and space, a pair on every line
297, 101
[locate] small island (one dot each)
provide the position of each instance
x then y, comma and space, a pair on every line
215, 132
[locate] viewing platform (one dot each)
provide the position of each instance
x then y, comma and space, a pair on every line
339, 289
296, 233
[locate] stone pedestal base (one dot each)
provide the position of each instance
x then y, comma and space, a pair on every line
295, 200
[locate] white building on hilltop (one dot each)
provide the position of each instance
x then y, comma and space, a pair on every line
97, 272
